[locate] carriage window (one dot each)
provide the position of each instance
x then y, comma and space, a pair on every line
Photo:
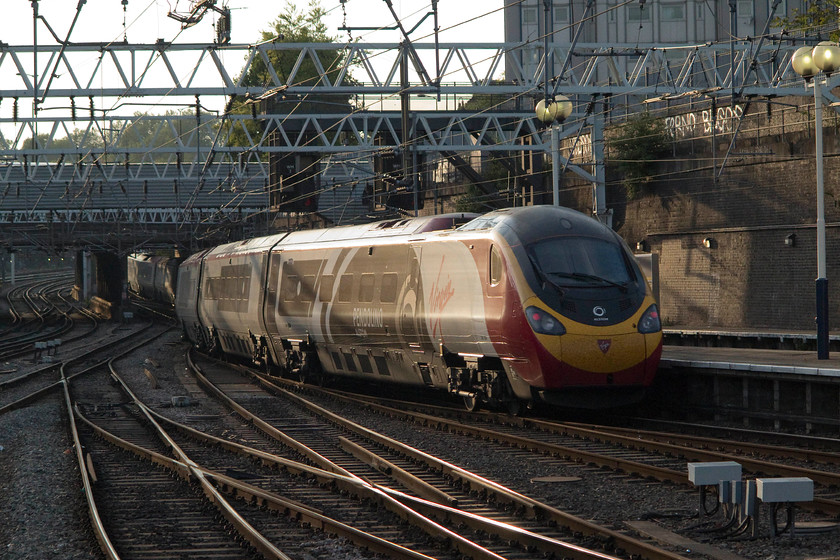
495, 266
326, 289
307, 288
345, 288
366, 287
290, 288
388, 293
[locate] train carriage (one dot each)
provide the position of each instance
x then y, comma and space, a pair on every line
152, 277
186, 301
537, 303
231, 296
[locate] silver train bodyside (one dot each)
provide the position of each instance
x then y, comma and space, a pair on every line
152, 277
417, 302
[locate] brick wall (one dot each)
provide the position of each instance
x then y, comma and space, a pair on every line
749, 277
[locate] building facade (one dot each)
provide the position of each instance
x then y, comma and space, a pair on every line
611, 23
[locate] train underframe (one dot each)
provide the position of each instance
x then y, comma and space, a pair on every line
482, 381
478, 380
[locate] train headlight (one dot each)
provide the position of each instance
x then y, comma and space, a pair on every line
650, 322
543, 322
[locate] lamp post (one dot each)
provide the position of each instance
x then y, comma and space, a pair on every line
551, 111
808, 62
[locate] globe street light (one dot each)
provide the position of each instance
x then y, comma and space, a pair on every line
808, 62
551, 111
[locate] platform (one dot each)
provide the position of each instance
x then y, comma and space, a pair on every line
748, 359
747, 338
779, 388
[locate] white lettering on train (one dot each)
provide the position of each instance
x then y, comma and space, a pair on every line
367, 317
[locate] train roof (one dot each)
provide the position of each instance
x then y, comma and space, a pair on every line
387, 228
529, 223
374, 230
517, 225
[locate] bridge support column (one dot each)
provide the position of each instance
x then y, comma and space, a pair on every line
87, 268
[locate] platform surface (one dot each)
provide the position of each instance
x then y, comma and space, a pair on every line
757, 360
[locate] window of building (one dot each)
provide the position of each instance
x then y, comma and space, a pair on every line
672, 12
745, 8
561, 15
529, 15
638, 13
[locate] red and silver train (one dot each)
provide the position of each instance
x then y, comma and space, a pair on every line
508, 308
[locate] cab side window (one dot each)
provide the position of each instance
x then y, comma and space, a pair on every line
495, 266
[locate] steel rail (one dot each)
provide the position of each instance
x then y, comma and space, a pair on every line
381, 495
237, 488
93, 511
501, 494
463, 545
35, 395
730, 446
242, 526
365, 490
97, 525
754, 465
659, 473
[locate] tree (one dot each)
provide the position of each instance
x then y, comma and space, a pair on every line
819, 20
293, 26
635, 147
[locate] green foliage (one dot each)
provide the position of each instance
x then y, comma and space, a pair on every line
484, 101
635, 146
158, 134
471, 201
819, 20
294, 27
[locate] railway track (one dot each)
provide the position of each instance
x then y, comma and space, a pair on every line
650, 454
317, 468
223, 468
453, 481
319, 474
642, 455
22, 389
40, 312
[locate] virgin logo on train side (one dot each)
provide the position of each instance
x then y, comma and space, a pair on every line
604, 345
440, 295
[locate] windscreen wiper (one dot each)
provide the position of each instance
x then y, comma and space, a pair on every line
545, 279
582, 276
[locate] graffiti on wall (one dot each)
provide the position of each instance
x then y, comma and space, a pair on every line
578, 148
699, 123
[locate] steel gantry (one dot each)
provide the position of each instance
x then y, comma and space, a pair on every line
102, 144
